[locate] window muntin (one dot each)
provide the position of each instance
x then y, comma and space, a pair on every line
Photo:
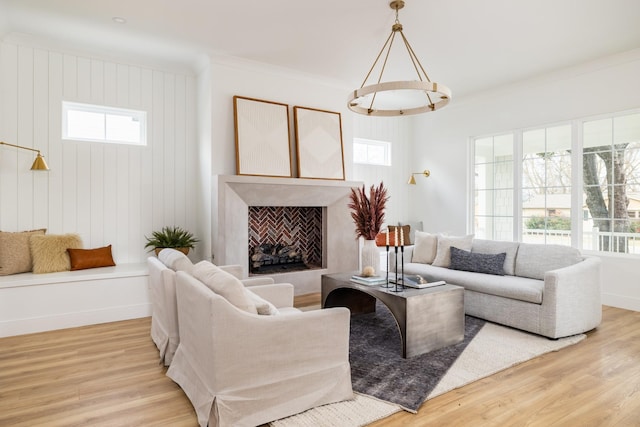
493, 178
99, 123
546, 185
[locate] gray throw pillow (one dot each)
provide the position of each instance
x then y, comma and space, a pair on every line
477, 263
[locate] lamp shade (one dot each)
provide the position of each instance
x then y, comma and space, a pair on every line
39, 164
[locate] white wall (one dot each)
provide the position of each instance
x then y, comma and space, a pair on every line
398, 131
109, 194
442, 141
231, 77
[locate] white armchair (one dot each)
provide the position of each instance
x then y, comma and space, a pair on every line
242, 369
164, 317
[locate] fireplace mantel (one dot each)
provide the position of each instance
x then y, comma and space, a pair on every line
232, 196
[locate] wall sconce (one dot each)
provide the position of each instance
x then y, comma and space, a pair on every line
38, 164
412, 179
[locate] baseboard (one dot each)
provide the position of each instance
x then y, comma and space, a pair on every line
620, 301
71, 320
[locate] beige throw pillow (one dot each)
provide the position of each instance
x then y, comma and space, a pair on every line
223, 284
175, 260
263, 306
49, 252
443, 255
425, 248
15, 254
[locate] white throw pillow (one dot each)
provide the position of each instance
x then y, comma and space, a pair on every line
175, 260
425, 247
224, 284
263, 306
443, 255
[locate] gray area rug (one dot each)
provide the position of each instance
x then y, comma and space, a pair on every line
379, 370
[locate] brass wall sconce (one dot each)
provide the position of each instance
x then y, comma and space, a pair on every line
412, 179
38, 164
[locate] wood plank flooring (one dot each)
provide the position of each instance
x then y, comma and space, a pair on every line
108, 375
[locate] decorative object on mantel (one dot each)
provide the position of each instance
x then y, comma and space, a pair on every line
262, 137
171, 237
38, 164
425, 96
368, 216
412, 179
319, 143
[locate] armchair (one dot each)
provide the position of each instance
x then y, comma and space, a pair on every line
243, 369
164, 317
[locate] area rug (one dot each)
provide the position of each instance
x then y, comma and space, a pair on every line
488, 348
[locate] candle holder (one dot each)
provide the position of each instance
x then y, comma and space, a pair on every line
399, 283
387, 284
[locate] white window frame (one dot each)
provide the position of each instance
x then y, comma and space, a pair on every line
576, 179
386, 145
139, 115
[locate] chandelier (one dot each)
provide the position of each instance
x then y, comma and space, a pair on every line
417, 96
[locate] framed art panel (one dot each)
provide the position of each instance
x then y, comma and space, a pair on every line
319, 143
262, 137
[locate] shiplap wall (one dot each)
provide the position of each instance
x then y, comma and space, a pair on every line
108, 193
397, 131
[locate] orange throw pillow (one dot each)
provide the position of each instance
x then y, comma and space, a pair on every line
90, 258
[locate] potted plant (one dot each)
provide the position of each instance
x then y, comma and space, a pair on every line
171, 237
368, 216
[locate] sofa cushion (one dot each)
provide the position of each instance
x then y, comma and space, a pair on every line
49, 251
512, 287
534, 260
426, 246
175, 260
413, 227
479, 263
482, 246
443, 254
224, 284
15, 254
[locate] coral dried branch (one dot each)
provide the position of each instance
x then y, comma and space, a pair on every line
368, 212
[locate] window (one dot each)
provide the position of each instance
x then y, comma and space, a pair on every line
546, 185
98, 123
576, 184
493, 179
371, 152
611, 176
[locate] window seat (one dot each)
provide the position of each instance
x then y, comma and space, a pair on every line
42, 302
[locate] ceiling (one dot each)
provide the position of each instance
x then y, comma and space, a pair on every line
468, 45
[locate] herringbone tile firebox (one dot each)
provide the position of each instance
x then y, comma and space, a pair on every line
297, 226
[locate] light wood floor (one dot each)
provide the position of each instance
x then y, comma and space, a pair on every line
108, 375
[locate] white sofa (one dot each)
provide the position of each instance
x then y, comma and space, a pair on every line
550, 290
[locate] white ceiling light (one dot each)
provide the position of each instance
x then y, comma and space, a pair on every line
398, 97
119, 20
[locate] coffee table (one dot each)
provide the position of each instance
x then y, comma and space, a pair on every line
428, 319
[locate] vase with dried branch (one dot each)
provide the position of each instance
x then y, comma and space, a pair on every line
367, 212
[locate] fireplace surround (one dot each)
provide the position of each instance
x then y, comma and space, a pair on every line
233, 195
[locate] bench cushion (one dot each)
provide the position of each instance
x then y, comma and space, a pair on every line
15, 254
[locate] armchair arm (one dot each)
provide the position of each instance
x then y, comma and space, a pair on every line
276, 349
572, 299
279, 294
234, 269
254, 281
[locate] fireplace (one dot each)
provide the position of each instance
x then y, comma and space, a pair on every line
284, 238
235, 195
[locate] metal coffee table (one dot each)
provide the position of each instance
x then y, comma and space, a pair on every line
428, 319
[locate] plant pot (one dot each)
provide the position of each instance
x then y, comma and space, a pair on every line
370, 256
183, 250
